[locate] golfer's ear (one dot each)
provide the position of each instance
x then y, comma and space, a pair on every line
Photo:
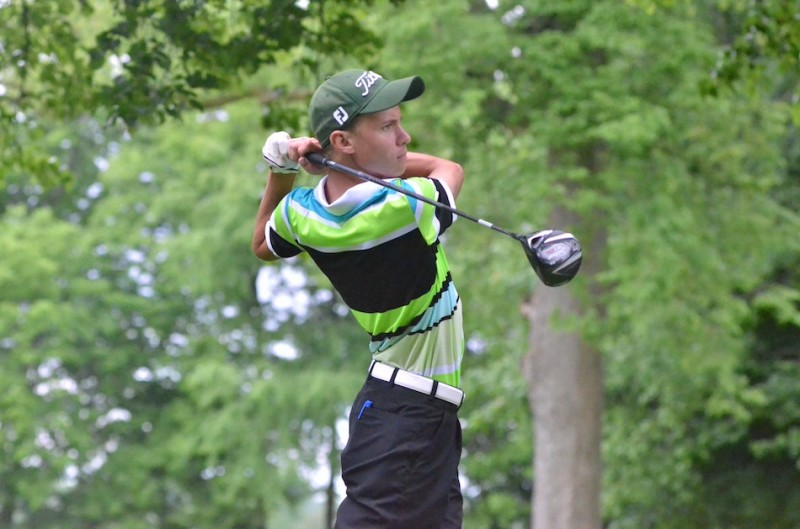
340, 140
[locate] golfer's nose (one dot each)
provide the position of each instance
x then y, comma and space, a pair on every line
404, 138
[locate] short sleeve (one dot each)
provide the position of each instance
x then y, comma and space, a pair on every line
432, 221
445, 196
279, 236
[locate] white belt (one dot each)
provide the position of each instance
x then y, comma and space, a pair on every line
416, 382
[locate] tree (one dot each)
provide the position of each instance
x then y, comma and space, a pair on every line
135, 282
608, 105
141, 63
759, 40
160, 389
597, 107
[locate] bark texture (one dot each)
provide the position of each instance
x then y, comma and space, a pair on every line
565, 393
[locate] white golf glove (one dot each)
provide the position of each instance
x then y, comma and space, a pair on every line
276, 153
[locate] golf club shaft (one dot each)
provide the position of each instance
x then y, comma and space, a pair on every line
319, 159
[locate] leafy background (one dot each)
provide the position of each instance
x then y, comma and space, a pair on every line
155, 374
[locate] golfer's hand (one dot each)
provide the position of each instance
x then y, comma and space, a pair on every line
299, 147
276, 154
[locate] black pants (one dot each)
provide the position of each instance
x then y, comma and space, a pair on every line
400, 465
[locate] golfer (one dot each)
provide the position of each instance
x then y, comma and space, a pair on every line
381, 251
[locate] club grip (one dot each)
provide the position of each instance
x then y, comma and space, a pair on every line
317, 158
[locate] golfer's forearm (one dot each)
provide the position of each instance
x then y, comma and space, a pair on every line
418, 164
278, 186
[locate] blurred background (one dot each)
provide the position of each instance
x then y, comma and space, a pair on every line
155, 374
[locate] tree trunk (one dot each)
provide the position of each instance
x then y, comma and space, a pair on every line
330, 493
7, 504
565, 394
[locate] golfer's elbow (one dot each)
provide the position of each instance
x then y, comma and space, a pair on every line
262, 251
455, 178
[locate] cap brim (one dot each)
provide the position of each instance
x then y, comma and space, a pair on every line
394, 93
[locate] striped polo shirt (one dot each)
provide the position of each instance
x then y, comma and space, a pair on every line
380, 249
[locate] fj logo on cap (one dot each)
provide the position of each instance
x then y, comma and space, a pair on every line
340, 115
366, 80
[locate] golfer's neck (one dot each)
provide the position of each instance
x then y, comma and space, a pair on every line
336, 184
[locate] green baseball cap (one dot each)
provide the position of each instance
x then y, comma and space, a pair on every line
351, 93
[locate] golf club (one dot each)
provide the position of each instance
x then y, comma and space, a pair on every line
554, 255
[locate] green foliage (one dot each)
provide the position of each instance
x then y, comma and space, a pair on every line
57, 327
142, 63
168, 404
142, 384
760, 38
596, 106
767, 37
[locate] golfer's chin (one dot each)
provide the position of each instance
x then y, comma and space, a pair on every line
387, 169
393, 173
399, 170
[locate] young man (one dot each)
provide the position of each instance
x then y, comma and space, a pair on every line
381, 251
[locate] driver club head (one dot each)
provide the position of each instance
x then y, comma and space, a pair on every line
554, 255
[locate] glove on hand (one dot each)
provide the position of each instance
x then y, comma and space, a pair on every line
276, 153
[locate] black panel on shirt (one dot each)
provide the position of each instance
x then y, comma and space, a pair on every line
281, 246
382, 278
404, 329
444, 216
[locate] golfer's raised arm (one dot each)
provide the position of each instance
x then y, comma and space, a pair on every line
284, 156
451, 173
278, 186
